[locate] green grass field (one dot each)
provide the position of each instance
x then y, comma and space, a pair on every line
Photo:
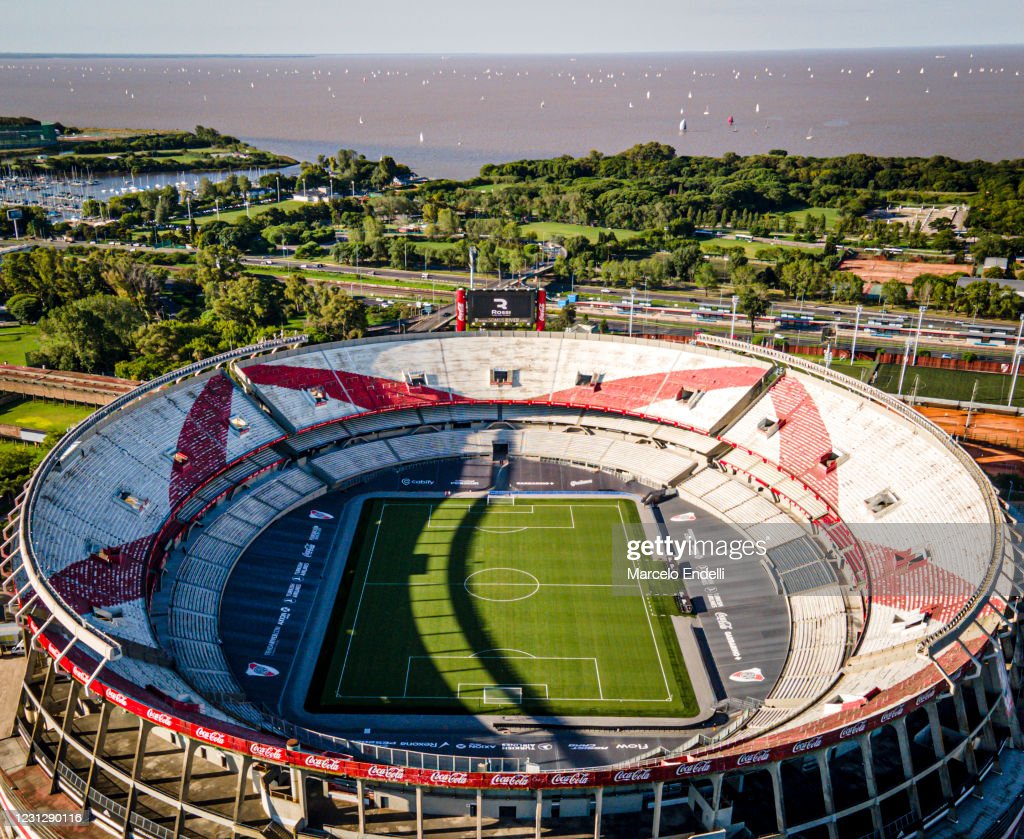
549, 229
831, 215
44, 416
15, 341
993, 388
455, 605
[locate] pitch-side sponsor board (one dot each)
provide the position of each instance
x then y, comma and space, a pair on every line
221, 735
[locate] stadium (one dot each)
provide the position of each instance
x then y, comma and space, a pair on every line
386, 587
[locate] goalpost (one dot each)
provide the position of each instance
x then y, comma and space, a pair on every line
500, 499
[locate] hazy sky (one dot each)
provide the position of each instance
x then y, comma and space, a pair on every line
449, 26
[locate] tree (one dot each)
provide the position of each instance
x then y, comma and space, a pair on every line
217, 264
16, 465
25, 307
373, 229
565, 318
894, 293
298, 293
248, 302
137, 282
705, 278
753, 302
335, 316
849, 287
685, 259
90, 335
742, 274
309, 250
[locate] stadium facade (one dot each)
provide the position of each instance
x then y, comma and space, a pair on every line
893, 706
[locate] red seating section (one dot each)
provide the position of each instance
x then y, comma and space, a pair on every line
97, 582
803, 438
203, 438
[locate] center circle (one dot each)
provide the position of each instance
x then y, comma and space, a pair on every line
487, 584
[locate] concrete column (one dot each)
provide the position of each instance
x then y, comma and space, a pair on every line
970, 761
186, 780
659, 789
867, 758
939, 748
97, 748
980, 696
1010, 720
243, 777
987, 735
598, 802
479, 814
908, 767
44, 694
299, 794
538, 813
775, 771
419, 812
360, 806
74, 689
826, 790
140, 752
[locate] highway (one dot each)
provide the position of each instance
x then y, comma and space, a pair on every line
838, 317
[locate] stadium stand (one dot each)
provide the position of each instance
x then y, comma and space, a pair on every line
897, 627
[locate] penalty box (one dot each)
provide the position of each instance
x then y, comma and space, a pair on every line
518, 676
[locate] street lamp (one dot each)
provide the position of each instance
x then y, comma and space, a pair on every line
632, 305
856, 329
472, 265
903, 368
1016, 361
917, 336
732, 320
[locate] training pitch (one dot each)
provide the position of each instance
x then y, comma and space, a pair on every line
495, 606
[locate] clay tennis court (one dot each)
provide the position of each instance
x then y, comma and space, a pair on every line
883, 270
997, 429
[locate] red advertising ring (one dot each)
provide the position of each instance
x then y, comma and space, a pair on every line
343, 765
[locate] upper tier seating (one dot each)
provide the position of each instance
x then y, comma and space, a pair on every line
315, 386
99, 512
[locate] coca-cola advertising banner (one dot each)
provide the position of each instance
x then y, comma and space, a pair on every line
460, 310
335, 764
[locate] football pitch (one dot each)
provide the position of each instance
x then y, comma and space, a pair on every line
497, 606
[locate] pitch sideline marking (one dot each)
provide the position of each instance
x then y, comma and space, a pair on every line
359, 605
647, 613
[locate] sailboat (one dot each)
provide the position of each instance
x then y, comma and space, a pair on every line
421, 136
682, 126
810, 134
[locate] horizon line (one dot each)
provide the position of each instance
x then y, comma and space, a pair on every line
531, 54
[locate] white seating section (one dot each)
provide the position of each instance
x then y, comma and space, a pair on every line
817, 648
649, 464
634, 378
193, 611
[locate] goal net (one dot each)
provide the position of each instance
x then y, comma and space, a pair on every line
497, 499
503, 695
